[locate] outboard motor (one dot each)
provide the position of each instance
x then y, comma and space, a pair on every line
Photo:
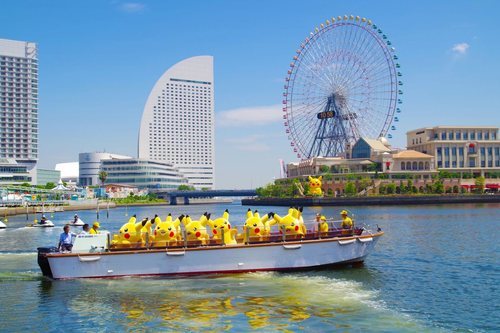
43, 262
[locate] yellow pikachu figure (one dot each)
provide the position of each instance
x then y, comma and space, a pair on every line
167, 232
315, 186
147, 227
221, 228
258, 227
290, 223
301, 219
130, 234
196, 230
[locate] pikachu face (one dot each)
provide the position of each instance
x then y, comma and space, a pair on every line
255, 224
290, 223
130, 233
196, 229
168, 230
315, 185
221, 229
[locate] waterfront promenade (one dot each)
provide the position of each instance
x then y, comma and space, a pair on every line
374, 200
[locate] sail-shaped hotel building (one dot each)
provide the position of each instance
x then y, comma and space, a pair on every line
178, 126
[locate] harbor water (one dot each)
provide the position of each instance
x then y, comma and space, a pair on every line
436, 269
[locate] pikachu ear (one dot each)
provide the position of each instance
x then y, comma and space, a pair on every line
204, 220
133, 219
176, 223
186, 220
169, 218
310, 178
320, 178
226, 215
249, 213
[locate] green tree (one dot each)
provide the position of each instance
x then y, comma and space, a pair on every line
382, 189
324, 169
480, 183
391, 188
438, 187
409, 186
185, 187
50, 185
364, 183
103, 175
350, 189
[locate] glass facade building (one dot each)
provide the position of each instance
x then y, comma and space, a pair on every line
141, 173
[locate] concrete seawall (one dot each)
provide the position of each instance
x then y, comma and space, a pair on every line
73, 206
365, 201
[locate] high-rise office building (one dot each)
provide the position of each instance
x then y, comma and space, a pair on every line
178, 126
19, 102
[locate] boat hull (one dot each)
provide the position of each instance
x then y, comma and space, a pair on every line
279, 256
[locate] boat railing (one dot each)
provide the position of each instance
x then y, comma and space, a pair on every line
276, 233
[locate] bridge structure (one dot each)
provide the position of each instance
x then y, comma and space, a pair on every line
173, 196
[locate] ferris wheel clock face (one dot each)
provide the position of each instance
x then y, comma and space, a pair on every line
343, 84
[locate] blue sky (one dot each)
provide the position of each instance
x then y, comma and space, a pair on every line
100, 59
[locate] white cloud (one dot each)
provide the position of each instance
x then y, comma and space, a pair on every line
250, 116
250, 143
132, 7
460, 48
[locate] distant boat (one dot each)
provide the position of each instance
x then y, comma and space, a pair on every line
2, 225
78, 222
46, 224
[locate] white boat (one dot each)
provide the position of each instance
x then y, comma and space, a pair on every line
93, 257
78, 223
2, 225
46, 224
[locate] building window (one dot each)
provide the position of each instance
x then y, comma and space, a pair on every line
473, 135
480, 135
420, 165
472, 162
443, 135
458, 136
426, 165
450, 135
403, 166
466, 135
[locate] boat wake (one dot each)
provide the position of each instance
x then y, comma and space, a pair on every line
269, 301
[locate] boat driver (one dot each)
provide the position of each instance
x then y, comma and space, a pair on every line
66, 239
75, 219
43, 220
